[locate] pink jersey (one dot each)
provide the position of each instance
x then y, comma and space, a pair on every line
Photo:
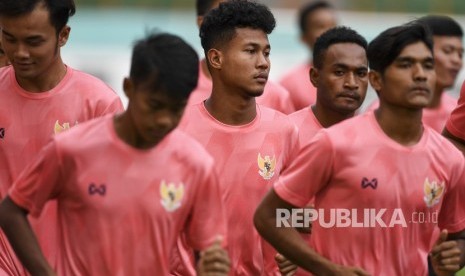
435, 118
275, 96
28, 121
456, 122
394, 196
121, 209
248, 159
301, 90
308, 125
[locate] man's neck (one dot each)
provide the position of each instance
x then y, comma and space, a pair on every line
328, 117
45, 81
400, 124
231, 108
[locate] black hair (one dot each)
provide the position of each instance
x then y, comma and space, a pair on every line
340, 34
442, 25
203, 6
60, 10
167, 60
387, 46
309, 8
219, 25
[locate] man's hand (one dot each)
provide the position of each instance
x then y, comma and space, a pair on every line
445, 256
214, 261
286, 267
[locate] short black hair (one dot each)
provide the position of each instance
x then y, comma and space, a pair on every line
387, 46
60, 10
219, 25
203, 6
442, 25
340, 34
167, 60
309, 8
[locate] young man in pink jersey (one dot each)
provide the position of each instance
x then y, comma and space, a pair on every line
275, 96
373, 175
126, 185
314, 19
340, 75
250, 143
448, 51
40, 96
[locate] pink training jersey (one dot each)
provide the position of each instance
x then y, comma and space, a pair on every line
378, 202
28, 121
456, 122
121, 209
435, 118
308, 125
274, 96
248, 160
301, 90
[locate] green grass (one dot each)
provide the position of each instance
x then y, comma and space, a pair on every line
461, 273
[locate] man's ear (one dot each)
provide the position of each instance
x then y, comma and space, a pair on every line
376, 80
64, 35
128, 87
215, 58
314, 75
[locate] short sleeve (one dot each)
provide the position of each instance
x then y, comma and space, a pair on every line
207, 219
456, 122
309, 172
39, 182
452, 214
114, 106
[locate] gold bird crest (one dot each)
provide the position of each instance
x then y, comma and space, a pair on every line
433, 192
266, 166
171, 196
60, 128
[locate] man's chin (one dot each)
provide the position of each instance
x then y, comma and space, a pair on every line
255, 94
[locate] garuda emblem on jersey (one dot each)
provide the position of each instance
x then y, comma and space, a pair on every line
433, 192
60, 128
171, 196
266, 166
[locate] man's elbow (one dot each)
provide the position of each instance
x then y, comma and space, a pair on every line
9, 212
258, 219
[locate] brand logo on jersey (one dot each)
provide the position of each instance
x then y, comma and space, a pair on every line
266, 166
97, 189
60, 128
369, 183
171, 196
2, 133
433, 192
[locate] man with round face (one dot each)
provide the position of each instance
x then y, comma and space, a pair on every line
274, 96
373, 174
40, 96
448, 51
315, 18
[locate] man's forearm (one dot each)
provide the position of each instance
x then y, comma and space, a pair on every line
16, 227
287, 240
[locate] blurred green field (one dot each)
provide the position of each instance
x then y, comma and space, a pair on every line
461, 273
